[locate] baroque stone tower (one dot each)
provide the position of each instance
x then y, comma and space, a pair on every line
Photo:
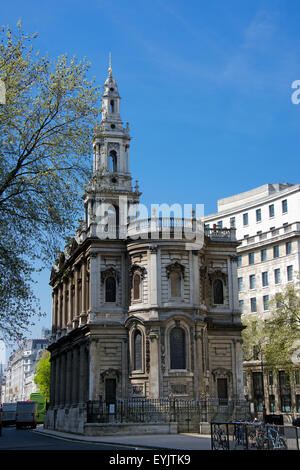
144, 308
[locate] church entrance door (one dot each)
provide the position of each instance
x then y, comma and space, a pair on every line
110, 391
222, 391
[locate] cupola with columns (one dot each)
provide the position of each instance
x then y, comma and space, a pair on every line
111, 172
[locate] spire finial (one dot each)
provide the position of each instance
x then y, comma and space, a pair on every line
109, 68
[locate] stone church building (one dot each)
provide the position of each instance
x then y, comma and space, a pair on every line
146, 309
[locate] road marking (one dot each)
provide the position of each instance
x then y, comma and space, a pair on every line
126, 446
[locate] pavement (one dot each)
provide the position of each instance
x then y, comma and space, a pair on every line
148, 441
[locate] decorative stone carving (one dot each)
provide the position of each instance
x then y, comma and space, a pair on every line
110, 272
113, 146
136, 268
110, 374
217, 274
175, 267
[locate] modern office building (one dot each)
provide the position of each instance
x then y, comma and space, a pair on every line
267, 222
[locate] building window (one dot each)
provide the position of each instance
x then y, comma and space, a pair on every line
110, 289
112, 163
288, 248
286, 405
271, 210
258, 391
264, 277
258, 215
284, 378
252, 281
289, 273
271, 378
241, 305
220, 224
177, 348
284, 206
137, 286
218, 292
112, 106
266, 302
276, 251
251, 258
240, 284
232, 222
137, 350
245, 219
298, 403
263, 255
297, 377
253, 304
272, 404
277, 275
175, 282
239, 263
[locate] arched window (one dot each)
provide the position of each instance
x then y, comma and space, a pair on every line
112, 106
137, 350
112, 162
177, 348
175, 284
137, 286
218, 292
110, 289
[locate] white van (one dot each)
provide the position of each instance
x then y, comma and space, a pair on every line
9, 413
26, 414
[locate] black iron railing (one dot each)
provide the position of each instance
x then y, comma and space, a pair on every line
188, 414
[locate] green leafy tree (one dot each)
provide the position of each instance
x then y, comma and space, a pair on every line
255, 338
46, 123
283, 327
42, 375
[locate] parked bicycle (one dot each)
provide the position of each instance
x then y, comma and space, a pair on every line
219, 438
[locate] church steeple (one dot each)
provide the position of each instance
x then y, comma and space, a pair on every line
111, 118
111, 146
111, 141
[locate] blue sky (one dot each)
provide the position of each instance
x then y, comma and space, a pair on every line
205, 86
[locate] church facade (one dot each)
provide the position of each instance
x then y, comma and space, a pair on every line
146, 309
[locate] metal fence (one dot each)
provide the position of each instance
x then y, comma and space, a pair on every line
253, 436
188, 414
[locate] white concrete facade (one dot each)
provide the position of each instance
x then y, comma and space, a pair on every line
20, 371
267, 221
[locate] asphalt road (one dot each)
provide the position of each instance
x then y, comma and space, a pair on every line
28, 440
